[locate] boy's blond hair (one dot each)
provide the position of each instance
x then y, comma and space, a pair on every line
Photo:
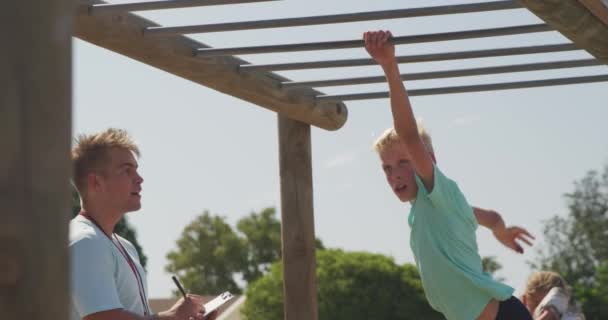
390, 137
542, 282
90, 154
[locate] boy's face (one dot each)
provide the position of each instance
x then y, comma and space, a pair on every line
121, 183
399, 172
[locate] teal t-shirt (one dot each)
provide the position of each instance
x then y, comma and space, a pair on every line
444, 244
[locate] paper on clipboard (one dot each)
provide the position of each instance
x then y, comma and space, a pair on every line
217, 302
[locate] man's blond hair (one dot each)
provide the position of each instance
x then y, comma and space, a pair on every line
390, 137
90, 154
542, 282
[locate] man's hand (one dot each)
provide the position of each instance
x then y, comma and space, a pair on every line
510, 236
379, 48
186, 309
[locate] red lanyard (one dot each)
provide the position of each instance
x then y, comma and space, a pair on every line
124, 253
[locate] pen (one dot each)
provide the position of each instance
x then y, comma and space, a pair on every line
179, 286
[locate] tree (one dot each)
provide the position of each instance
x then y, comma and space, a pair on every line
122, 228
262, 232
594, 297
211, 255
491, 265
351, 285
263, 241
577, 245
208, 255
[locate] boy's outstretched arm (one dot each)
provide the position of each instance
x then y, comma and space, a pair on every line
506, 235
383, 52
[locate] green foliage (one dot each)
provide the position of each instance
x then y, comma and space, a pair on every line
351, 285
577, 245
594, 297
491, 265
263, 242
122, 228
210, 254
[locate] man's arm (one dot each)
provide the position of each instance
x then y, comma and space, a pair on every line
506, 235
183, 309
383, 52
121, 314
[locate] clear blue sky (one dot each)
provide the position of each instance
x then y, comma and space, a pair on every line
515, 151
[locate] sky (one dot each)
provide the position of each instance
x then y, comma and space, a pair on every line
515, 151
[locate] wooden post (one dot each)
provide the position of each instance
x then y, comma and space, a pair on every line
297, 230
35, 125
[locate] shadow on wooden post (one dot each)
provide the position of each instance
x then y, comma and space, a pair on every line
35, 122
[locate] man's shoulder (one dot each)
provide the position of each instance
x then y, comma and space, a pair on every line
126, 243
82, 233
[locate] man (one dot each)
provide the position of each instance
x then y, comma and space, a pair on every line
107, 279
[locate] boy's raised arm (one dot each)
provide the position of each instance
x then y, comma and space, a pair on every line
383, 52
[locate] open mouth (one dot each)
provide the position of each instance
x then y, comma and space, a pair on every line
136, 194
400, 188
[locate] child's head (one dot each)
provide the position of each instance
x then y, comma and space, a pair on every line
539, 285
396, 162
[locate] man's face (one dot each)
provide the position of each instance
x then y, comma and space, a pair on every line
399, 172
120, 184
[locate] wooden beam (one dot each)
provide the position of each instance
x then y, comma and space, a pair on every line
297, 221
122, 33
35, 117
575, 20
597, 8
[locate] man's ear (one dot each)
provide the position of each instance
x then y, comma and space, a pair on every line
93, 182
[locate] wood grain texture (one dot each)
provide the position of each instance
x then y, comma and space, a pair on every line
35, 121
297, 222
123, 33
598, 9
575, 21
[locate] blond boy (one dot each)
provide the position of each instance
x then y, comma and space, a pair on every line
442, 223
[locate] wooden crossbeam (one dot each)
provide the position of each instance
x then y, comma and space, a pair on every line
582, 21
122, 33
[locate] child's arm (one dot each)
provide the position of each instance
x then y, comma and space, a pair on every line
507, 236
383, 52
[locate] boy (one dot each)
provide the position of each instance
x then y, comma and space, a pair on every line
442, 222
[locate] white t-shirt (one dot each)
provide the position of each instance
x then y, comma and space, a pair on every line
101, 278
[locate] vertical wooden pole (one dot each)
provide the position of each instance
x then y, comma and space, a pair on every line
297, 230
35, 131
